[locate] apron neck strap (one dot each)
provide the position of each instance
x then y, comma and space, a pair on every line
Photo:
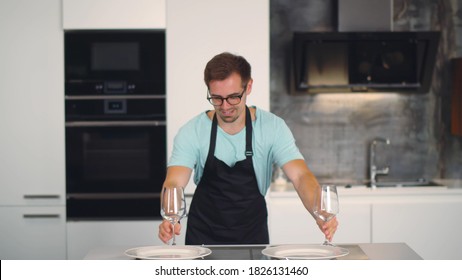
248, 134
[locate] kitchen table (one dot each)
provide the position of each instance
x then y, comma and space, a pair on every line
363, 251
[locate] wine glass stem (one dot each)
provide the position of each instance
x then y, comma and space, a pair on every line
173, 234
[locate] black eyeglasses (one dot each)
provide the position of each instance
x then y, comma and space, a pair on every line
218, 100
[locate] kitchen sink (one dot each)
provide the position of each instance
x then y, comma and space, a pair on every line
412, 183
415, 183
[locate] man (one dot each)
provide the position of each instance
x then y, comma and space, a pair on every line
232, 149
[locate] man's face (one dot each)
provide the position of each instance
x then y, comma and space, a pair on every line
229, 87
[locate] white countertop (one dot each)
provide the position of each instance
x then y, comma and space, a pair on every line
450, 187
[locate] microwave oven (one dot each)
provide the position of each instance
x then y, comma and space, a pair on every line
115, 62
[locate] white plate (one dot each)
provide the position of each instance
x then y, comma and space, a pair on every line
168, 252
305, 252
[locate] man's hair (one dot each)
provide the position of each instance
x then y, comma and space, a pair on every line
223, 65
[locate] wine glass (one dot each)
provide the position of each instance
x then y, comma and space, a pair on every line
326, 205
173, 206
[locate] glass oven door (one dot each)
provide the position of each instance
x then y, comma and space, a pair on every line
115, 169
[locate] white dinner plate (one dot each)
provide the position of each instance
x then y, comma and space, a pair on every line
168, 252
305, 252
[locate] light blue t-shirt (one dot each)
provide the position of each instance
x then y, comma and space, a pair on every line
272, 142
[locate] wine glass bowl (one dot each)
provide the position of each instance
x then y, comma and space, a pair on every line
173, 206
326, 205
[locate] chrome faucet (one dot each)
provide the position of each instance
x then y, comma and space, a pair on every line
373, 171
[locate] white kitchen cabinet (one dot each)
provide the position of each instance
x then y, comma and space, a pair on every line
84, 236
290, 223
32, 169
197, 31
427, 219
430, 224
31, 103
113, 14
32, 232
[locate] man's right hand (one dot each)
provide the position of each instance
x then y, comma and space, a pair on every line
165, 231
328, 228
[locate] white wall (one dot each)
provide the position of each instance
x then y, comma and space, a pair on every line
198, 30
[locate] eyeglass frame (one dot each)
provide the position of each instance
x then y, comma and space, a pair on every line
210, 97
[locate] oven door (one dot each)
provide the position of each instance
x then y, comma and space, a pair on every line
115, 169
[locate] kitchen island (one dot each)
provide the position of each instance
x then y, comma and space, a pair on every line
365, 251
418, 217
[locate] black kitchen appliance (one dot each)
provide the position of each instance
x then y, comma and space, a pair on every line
115, 62
115, 124
364, 61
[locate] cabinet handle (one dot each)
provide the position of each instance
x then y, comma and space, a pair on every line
112, 195
40, 196
26, 216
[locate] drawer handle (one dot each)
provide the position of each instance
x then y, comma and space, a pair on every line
40, 196
27, 216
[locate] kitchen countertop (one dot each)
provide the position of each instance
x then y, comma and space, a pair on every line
449, 186
363, 251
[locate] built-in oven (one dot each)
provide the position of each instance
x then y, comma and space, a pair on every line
115, 124
114, 166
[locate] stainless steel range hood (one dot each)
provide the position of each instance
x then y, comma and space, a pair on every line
364, 57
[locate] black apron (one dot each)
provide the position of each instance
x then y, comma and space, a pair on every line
227, 207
